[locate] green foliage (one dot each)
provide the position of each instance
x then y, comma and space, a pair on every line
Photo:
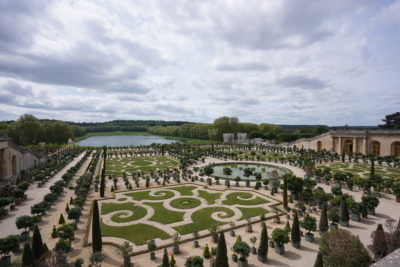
280, 236
37, 244
242, 248
61, 220
319, 261
344, 210
206, 252
165, 259
295, 235
24, 222
96, 229
309, 223
151, 245
28, 259
66, 231
54, 233
323, 220
172, 262
195, 261
333, 216
263, 246
63, 245
222, 257
341, 249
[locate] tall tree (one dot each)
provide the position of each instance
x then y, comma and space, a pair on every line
222, 257
262, 251
323, 220
344, 212
37, 244
285, 196
102, 182
391, 121
28, 260
165, 260
295, 235
96, 230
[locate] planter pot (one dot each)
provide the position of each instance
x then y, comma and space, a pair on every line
296, 244
266, 187
232, 233
152, 255
254, 251
176, 249
196, 244
344, 223
271, 244
277, 219
287, 217
355, 217
333, 226
242, 263
279, 249
234, 257
217, 182
309, 237
227, 183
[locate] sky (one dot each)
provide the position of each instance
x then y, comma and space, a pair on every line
276, 61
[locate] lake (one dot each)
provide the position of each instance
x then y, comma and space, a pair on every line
125, 140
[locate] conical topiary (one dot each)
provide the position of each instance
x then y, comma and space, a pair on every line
344, 213
295, 235
323, 220
61, 220
284, 193
28, 260
37, 244
96, 230
262, 251
172, 262
165, 259
222, 257
206, 253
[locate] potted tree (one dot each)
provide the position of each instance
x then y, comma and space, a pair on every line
309, 223
196, 237
253, 240
355, 214
175, 238
214, 233
371, 202
151, 245
249, 228
237, 180
243, 249
8, 244
333, 216
280, 238
24, 222
232, 225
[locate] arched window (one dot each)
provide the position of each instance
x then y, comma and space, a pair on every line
396, 149
319, 146
376, 148
348, 147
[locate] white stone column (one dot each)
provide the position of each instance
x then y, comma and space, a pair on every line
340, 145
355, 145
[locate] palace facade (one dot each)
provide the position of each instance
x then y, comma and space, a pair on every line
377, 142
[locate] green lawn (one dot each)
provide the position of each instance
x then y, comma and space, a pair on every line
138, 212
202, 220
117, 166
232, 199
163, 215
252, 212
140, 195
137, 233
210, 197
185, 203
184, 190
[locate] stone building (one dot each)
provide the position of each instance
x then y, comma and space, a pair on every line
14, 159
230, 138
377, 142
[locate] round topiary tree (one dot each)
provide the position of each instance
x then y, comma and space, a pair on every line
243, 249
310, 224
280, 238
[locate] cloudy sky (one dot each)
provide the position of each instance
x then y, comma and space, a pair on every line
277, 61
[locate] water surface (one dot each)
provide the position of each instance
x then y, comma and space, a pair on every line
125, 140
